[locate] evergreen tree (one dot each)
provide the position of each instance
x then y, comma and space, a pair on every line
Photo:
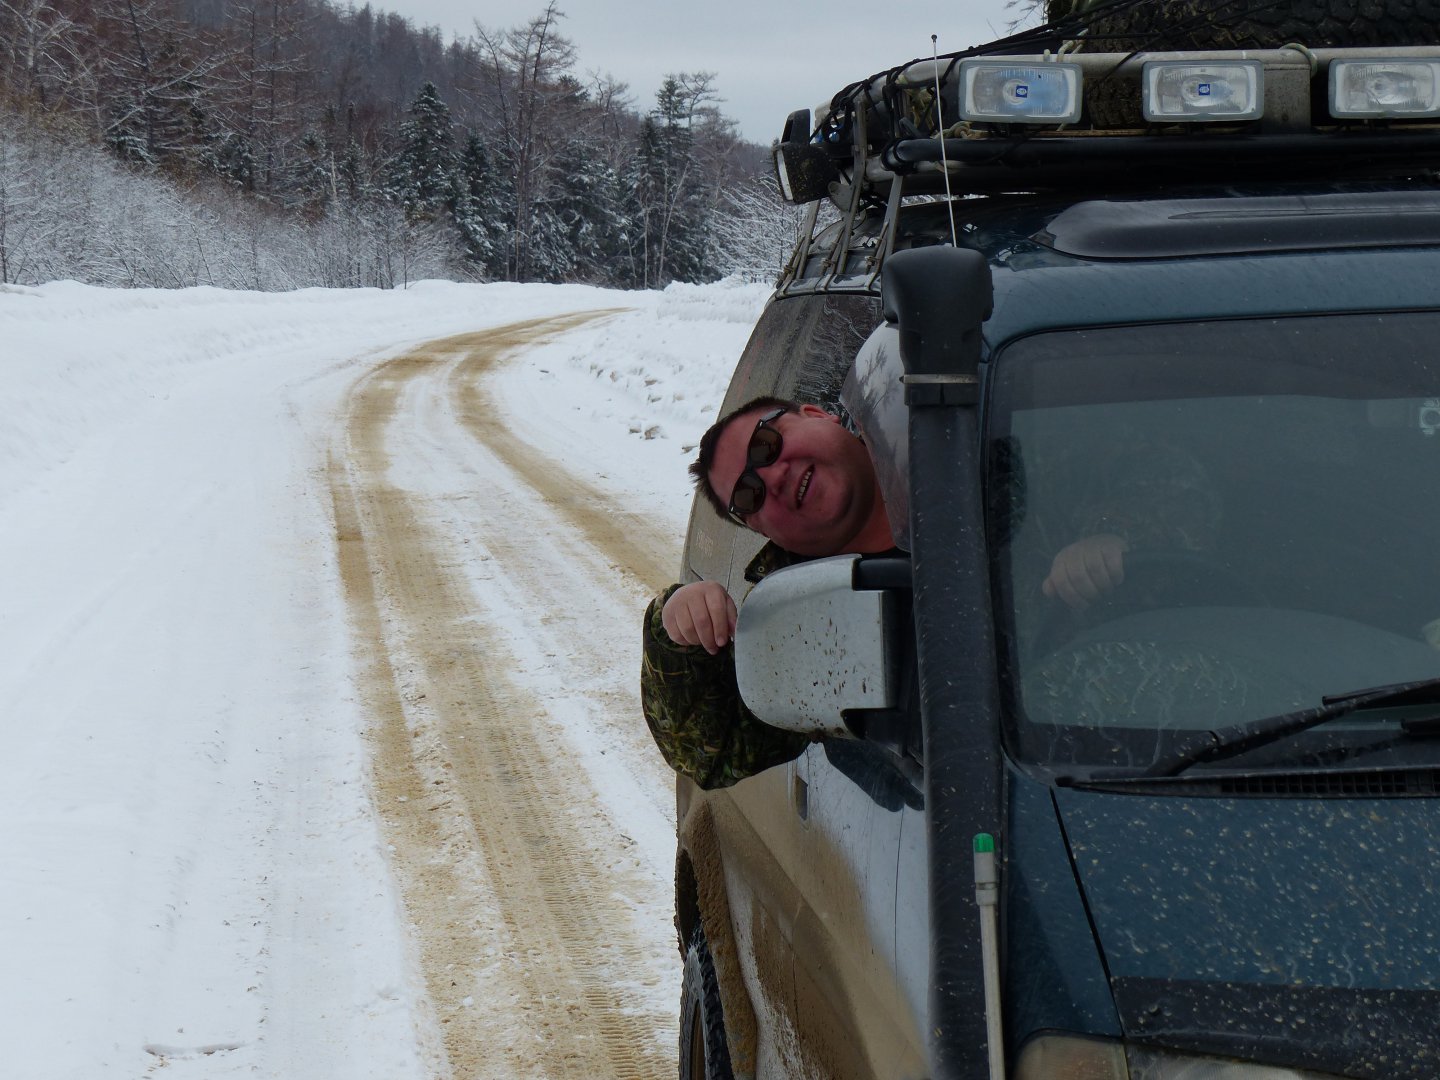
314, 179
551, 258
426, 164
593, 204
675, 213
232, 157
481, 205
627, 267
351, 176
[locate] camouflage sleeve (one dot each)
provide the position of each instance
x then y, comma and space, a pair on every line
693, 708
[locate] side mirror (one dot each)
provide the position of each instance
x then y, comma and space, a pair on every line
802, 168
812, 647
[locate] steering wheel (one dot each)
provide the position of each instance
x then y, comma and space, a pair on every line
1154, 578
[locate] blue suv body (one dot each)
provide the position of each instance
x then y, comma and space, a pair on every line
1213, 789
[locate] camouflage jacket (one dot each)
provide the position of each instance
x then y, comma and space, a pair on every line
693, 707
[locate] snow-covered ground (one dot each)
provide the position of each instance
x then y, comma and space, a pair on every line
195, 878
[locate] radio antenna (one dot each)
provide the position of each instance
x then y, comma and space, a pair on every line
940, 121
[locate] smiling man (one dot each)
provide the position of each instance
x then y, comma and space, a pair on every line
797, 476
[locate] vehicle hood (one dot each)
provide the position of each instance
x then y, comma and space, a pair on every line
1293, 931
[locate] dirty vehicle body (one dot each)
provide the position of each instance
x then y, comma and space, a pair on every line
1216, 816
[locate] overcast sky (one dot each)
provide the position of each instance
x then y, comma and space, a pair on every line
770, 57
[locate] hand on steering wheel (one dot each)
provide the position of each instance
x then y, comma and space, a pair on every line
1086, 570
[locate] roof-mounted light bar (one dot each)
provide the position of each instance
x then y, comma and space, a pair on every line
1190, 91
1378, 89
1006, 92
1048, 92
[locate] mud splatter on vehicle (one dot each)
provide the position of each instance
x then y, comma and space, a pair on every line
1208, 334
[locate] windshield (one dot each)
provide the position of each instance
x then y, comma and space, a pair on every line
1201, 525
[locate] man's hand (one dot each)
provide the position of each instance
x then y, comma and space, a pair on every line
700, 613
1086, 570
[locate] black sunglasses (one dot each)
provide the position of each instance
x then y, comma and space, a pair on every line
764, 448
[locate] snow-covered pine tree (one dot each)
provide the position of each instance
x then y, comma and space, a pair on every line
674, 209
425, 168
483, 207
313, 175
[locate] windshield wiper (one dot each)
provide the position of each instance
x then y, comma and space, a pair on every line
1228, 742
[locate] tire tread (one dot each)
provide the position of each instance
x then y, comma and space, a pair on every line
701, 988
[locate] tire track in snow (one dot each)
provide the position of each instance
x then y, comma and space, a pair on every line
632, 542
513, 873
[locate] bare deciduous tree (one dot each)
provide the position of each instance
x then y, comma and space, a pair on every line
42, 54
525, 71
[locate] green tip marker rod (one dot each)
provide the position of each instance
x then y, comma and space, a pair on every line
987, 896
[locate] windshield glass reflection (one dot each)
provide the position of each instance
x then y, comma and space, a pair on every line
1198, 526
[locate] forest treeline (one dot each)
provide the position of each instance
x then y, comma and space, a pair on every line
280, 143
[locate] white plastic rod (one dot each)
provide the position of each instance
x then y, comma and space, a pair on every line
987, 896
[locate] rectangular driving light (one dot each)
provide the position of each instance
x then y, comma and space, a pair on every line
1004, 92
1187, 91
1382, 89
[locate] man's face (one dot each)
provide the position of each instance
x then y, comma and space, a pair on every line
818, 493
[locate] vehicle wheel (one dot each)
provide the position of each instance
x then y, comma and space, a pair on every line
703, 1053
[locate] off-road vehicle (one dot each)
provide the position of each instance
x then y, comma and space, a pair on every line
1202, 808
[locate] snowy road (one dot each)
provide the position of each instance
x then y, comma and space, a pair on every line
318, 646
491, 680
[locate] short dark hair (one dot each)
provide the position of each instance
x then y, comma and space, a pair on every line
700, 467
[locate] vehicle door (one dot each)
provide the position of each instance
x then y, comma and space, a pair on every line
811, 848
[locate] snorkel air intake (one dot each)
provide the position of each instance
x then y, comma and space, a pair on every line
937, 298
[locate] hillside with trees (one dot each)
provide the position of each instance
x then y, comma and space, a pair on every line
273, 144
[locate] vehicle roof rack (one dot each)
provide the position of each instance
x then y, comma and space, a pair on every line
987, 121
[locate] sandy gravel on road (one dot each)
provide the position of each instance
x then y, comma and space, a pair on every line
540, 925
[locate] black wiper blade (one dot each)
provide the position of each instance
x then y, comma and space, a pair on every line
1421, 727
1417, 692
1227, 742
